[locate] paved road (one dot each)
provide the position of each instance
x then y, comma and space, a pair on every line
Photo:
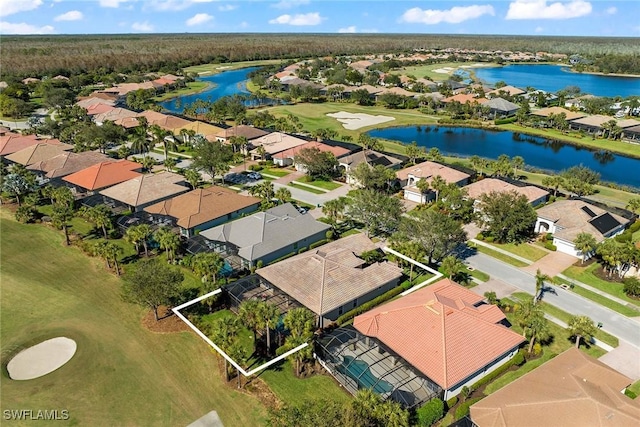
616, 324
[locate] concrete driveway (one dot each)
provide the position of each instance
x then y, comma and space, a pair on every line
625, 359
501, 288
552, 264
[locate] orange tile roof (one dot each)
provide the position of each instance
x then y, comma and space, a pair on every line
291, 153
165, 121
99, 108
104, 174
441, 332
572, 389
202, 205
487, 185
13, 142
465, 98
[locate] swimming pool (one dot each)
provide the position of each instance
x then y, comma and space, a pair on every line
360, 372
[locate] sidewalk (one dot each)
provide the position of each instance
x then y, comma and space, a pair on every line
562, 276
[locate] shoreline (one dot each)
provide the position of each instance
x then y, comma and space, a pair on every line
209, 85
569, 66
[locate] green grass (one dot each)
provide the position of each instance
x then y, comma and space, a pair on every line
524, 250
245, 336
427, 70
122, 374
192, 87
218, 68
309, 189
574, 138
501, 256
511, 376
294, 391
585, 274
602, 300
480, 275
634, 388
565, 317
325, 185
276, 172
350, 232
314, 116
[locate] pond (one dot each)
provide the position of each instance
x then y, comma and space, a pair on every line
226, 83
537, 152
552, 78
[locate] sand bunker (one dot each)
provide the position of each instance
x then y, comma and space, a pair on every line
444, 70
41, 359
353, 121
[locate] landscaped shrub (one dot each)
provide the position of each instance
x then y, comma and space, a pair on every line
480, 236
283, 257
550, 246
634, 227
489, 239
329, 235
537, 349
548, 237
463, 409
505, 121
518, 359
465, 392
302, 249
631, 287
452, 402
431, 412
255, 168
624, 237
318, 243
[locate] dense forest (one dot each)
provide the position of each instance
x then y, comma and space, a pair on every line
24, 56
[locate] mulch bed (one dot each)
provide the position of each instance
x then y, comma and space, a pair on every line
168, 323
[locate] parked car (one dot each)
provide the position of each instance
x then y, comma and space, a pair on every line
254, 175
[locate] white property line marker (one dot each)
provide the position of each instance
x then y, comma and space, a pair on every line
436, 273
177, 309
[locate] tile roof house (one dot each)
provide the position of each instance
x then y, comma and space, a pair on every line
248, 132
499, 107
165, 121
204, 208
287, 157
427, 170
534, 195
207, 130
99, 108
631, 133
546, 112
67, 163
274, 143
13, 142
331, 279
93, 101
103, 175
565, 219
570, 390
38, 153
266, 236
114, 115
351, 161
465, 98
444, 331
509, 90
145, 190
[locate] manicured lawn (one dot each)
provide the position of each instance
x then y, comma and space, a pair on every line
350, 232
480, 275
564, 316
511, 376
524, 250
325, 185
635, 388
245, 336
574, 138
283, 382
192, 87
501, 256
309, 189
314, 116
122, 374
77, 225
585, 275
602, 300
218, 68
276, 172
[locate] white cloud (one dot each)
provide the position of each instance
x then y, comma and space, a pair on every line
455, 15
9, 7
173, 5
143, 27
244, 24
111, 3
198, 19
24, 28
72, 15
612, 10
539, 9
539, 29
289, 4
350, 29
227, 7
299, 20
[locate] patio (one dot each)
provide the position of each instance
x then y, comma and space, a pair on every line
359, 362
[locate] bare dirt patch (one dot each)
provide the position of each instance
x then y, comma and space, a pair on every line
168, 323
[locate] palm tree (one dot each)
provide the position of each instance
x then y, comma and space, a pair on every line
525, 312
368, 143
168, 241
237, 352
138, 235
633, 205
100, 215
518, 163
581, 327
148, 163
207, 265
283, 195
224, 333
586, 244
193, 177
160, 136
208, 286
63, 210
438, 183
453, 268
334, 209
99, 249
300, 322
554, 181
540, 279
113, 251
538, 329
140, 143
170, 163
423, 186
491, 297
269, 315
249, 314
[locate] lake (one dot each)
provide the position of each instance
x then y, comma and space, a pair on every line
552, 78
537, 152
223, 84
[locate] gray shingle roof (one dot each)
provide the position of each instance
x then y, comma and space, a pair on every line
263, 233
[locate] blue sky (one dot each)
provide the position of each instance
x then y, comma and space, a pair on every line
522, 17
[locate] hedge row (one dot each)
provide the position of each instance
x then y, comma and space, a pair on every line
518, 360
282, 258
505, 121
318, 243
463, 409
373, 303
